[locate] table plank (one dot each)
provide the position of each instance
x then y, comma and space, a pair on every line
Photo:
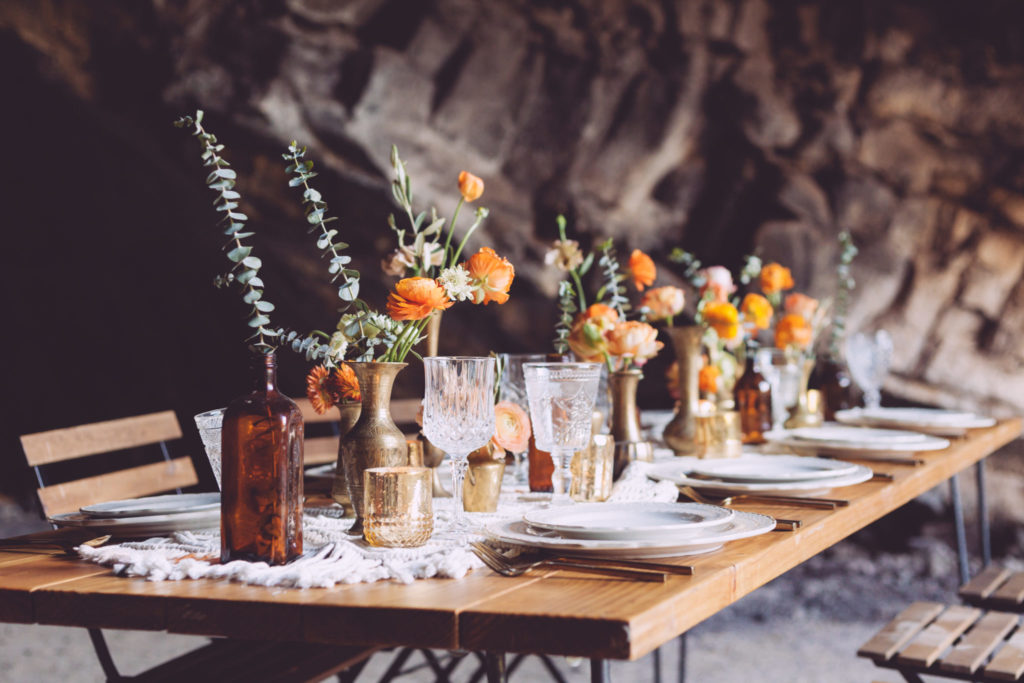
21, 579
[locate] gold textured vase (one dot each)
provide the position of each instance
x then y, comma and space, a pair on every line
629, 443
680, 433
374, 440
808, 410
348, 418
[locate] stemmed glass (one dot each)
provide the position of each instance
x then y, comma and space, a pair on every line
561, 405
869, 358
783, 374
458, 414
512, 387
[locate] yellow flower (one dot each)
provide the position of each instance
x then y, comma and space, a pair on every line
757, 311
470, 186
723, 318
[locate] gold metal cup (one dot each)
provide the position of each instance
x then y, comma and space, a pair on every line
719, 435
592, 470
398, 506
482, 487
415, 452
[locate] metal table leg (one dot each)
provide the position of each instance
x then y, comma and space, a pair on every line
495, 662
600, 671
657, 665
961, 533
983, 526
682, 658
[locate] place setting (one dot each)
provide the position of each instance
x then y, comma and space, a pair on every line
863, 443
150, 516
933, 421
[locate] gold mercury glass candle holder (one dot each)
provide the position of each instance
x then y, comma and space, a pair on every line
399, 506
592, 470
719, 435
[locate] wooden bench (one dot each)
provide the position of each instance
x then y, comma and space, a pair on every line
995, 588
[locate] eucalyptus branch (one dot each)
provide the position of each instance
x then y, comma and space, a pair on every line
844, 287
245, 271
567, 305
690, 263
613, 287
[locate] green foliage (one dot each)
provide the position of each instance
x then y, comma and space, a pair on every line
690, 263
613, 279
567, 306
844, 288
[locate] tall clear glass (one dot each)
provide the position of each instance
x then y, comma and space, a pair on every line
512, 387
868, 358
458, 414
783, 374
561, 406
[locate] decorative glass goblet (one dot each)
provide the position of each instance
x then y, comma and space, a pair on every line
561, 406
512, 387
783, 374
869, 358
458, 414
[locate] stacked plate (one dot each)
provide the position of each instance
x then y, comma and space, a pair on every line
623, 530
150, 516
927, 420
780, 475
865, 442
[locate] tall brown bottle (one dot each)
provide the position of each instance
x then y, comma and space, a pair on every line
753, 396
261, 477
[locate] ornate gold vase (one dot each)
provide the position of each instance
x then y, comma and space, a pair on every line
808, 411
374, 440
680, 433
629, 444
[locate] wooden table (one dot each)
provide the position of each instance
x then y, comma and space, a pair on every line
553, 612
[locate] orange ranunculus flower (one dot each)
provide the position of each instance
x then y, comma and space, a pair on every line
511, 427
708, 379
775, 278
634, 339
757, 311
793, 330
642, 268
415, 298
801, 304
664, 302
326, 388
470, 186
587, 336
717, 280
491, 276
723, 317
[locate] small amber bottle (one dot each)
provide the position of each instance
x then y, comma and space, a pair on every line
753, 396
832, 379
261, 474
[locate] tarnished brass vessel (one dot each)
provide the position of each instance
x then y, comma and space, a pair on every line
680, 433
629, 442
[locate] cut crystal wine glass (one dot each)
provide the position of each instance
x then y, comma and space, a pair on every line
869, 358
783, 374
561, 405
512, 387
458, 414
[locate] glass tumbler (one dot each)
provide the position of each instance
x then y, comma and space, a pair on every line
398, 504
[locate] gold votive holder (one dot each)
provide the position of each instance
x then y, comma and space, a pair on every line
415, 452
482, 487
398, 504
592, 470
719, 435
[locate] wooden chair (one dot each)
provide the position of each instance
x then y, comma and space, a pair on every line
223, 660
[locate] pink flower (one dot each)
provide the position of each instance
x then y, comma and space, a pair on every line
511, 427
635, 340
718, 280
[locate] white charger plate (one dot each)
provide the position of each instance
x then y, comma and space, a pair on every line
742, 525
153, 525
677, 471
750, 468
628, 521
866, 449
154, 505
934, 421
838, 433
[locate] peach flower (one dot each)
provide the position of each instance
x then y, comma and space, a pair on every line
757, 311
634, 339
470, 186
415, 298
642, 268
723, 317
717, 280
587, 336
801, 304
326, 388
708, 379
793, 330
664, 302
491, 276
775, 278
511, 427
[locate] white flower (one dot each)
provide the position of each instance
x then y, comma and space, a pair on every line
338, 346
456, 283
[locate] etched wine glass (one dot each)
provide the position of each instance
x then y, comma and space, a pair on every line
458, 415
783, 374
869, 358
561, 406
512, 387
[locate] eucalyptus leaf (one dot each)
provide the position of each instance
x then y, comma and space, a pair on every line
252, 296
239, 253
259, 321
264, 306
252, 262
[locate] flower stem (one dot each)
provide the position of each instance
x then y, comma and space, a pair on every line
451, 229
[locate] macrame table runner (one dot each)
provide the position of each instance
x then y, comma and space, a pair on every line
331, 556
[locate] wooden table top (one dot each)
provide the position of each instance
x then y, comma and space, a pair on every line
556, 612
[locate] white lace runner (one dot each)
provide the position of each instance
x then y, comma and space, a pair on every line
331, 556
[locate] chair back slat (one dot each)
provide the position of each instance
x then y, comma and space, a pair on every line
57, 445
133, 482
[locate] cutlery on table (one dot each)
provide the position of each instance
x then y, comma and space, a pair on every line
507, 566
780, 524
907, 462
796, 501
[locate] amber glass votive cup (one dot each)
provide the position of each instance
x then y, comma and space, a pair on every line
398, 503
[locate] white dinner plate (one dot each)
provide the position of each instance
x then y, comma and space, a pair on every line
742, 525
865, 449
153, 525
751, 468
678, 470
628, 521
154, 505
932, 421
838, 433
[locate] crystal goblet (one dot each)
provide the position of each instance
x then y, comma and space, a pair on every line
561, 406
868, 358
512, 387
458, 414
783, 374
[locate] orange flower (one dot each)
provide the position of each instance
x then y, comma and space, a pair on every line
587, 336
723, 317
326, 388
344, 378
708, 379
415, 298
511, 427
775, 278
470, 186
663, 302
757, 311
642, 268
801, 304
634, 339
793, 330
491, 276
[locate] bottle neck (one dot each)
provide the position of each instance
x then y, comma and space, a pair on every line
748, 365
268, 372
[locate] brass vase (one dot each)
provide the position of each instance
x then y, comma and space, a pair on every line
629, 444
374, 440
349, 417
680, 433
808, 409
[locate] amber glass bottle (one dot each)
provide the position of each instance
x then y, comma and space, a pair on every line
753, 396
540, 465
261, 478
832, 379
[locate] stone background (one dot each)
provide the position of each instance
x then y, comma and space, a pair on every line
723, 126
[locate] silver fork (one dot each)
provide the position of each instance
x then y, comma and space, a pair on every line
780, 524
508, 567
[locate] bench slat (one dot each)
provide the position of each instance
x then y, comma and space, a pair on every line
985, 583
1008, 664
927, 645
979, 643
899, 631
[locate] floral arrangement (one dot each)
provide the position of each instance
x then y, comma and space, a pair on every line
601, 332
